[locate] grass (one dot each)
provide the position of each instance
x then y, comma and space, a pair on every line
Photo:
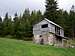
11, 47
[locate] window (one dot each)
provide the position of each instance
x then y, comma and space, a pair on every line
57, 30
45, 26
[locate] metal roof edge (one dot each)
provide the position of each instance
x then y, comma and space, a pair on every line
52, 23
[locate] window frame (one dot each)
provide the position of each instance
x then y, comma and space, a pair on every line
44, 26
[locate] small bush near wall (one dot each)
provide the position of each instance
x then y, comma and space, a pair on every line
71, 43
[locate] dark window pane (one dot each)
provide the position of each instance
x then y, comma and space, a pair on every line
57, 30
45, 26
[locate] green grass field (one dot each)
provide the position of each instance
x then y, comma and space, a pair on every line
11, 47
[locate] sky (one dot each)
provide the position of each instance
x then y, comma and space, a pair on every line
13, 6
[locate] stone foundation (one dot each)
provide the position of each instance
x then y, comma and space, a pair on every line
47, 38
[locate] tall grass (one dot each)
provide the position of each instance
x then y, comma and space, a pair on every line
11, 47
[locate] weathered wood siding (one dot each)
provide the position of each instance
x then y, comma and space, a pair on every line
37, 30
51, 28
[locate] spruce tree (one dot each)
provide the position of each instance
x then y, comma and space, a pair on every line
26, 15
51, 10
0, 26
72, 21
5, 24
0, 20
16, 25
39, 16
6, 16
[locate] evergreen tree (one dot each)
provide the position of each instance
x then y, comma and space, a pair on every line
10, 26
39, 16
6, 17
26, 14
7, 25
67, 24
33, 17
72, 20
15, 18
60, 20
0, 20
36, 16
1, 26
16, 26
26, 21
51, 10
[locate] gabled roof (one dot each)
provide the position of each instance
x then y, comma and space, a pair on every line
52, 23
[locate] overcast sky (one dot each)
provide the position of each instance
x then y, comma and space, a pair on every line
12, 6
